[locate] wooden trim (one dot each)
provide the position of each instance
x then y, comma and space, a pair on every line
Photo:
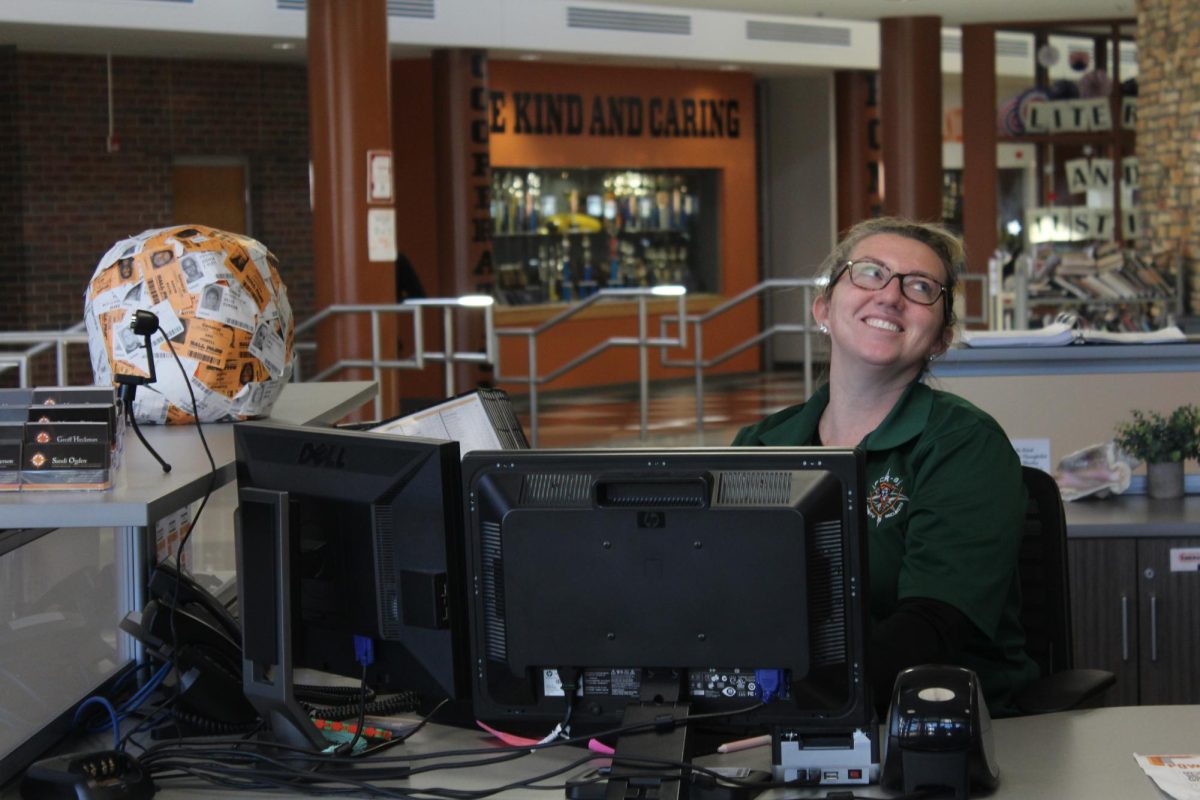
1064, 27
980, 212
1067, 138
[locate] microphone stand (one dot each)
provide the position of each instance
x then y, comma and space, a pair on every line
145, 324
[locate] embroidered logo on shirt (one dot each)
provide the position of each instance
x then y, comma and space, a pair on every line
885, 498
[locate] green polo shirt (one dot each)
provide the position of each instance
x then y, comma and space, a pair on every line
945, 508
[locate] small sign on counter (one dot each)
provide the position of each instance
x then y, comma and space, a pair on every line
1034, 453
1185, 559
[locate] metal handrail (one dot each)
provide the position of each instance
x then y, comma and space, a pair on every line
414, 310
698, 363
807, 285
40, 342
642, 341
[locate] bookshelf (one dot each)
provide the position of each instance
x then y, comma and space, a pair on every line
1077, 238
1109, 287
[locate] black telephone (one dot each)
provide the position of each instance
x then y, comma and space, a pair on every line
188, 626
194, 597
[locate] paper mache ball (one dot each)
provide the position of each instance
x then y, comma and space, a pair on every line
219, 299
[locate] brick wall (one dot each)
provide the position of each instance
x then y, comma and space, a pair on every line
73, 199
1168, 131
12, 258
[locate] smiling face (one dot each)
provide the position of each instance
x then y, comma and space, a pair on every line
883, 330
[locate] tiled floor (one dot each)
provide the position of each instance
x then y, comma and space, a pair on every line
610, 417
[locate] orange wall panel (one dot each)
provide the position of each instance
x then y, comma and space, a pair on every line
658, 92
734, 157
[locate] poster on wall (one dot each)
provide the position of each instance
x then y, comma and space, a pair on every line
381, 234
379, 176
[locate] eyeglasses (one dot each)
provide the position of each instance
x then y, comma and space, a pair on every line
873, 276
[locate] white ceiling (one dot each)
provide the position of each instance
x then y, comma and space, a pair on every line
509, 28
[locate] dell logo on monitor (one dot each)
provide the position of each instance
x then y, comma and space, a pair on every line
322, 455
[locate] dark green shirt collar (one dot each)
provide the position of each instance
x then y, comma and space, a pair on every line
905, 421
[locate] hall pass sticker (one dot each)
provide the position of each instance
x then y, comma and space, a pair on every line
1185, 559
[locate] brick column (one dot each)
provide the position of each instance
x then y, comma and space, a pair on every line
910, 74
1168, 132
464, 178
349, 118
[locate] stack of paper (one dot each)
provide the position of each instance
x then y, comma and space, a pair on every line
1169, 334
1061, 333
1054, 335
481, 420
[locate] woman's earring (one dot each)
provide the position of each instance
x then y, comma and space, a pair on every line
824, 329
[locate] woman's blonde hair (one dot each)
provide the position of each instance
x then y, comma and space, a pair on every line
947, 246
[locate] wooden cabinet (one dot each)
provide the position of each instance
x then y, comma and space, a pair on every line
1133, 615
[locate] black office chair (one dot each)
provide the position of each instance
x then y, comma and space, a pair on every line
1046, 606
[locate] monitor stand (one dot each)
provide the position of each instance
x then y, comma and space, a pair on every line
262, 533
637, 771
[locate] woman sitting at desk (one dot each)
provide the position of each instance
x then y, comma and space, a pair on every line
945, 497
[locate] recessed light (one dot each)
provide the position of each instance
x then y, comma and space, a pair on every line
529, 57
283, 46
729, 68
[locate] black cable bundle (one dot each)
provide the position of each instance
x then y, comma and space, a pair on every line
392, 704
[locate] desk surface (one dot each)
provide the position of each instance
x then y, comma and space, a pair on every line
1132, 515
141, 493
1076, 754
1072, 358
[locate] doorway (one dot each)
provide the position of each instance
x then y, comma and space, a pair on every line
213, 192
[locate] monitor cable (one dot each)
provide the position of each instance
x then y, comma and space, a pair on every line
364, 654
569, 678
145, 324
212, 485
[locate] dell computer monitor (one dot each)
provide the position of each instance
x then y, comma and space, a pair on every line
345, 534
651, 579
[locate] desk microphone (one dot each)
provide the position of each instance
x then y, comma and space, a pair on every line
145, 324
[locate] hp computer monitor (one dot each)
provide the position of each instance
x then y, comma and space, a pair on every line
686, 578
341, 534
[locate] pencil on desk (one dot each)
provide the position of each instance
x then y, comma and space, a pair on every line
745, 744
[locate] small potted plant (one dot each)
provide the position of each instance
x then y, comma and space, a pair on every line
1164, 443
